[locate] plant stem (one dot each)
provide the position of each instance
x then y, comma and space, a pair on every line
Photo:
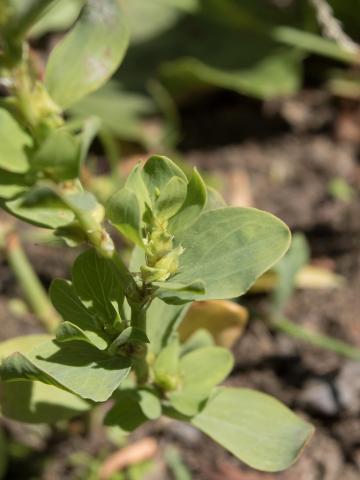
317, 339
29, 282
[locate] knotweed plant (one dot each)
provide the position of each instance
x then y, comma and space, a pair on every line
119, 336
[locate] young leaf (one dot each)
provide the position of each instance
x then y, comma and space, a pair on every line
200, 370
193, 205
41, 207
228, 249
72, 310
136, 184
58, 157
171, 198
256, 428
133, 408
13, 144
123, 211
96, 282
89, 54
35, 402
76, 366
157, 172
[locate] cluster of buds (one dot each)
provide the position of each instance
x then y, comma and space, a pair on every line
162, 259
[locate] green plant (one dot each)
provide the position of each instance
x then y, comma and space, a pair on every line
119, 336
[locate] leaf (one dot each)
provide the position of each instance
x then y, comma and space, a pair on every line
133, 408
193, 205
12, 184
90, 130
35, 402
96, 282
228, 249
76, 366
199, 339
157, 172
297, 257
58, 156
171, 198
89, 54
69, 332
123, 211
58, 18
120, 111
256, 428
41, 207
197, 286
200, 370
166, 366
161, 323
136, 184
72, 310
224, 320
129, 335
13, 144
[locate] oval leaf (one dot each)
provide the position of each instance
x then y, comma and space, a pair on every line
228, 249
89, 54
13, 143
256, 428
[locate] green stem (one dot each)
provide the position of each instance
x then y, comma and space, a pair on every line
29, 282
318, 340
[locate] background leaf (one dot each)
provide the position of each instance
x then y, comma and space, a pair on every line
89, 54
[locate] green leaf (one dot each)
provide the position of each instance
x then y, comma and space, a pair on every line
129, 335
136, 184
35, 402
76, 366
58, 157
256, 428
166, 366
69, 332
58, 18
200, 371
194, 204
171, 198
89, 54
197, 287
96, 282
12, 184
161, 323
133, 408
157, 172
41, 207
123, 211
13, 144
121, 112
297, 257
72, 310
199, 339
228, 249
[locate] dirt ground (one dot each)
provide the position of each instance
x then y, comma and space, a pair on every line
281, 157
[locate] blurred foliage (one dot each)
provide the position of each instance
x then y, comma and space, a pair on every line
182, 49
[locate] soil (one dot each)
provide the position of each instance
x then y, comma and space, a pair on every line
282, 161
